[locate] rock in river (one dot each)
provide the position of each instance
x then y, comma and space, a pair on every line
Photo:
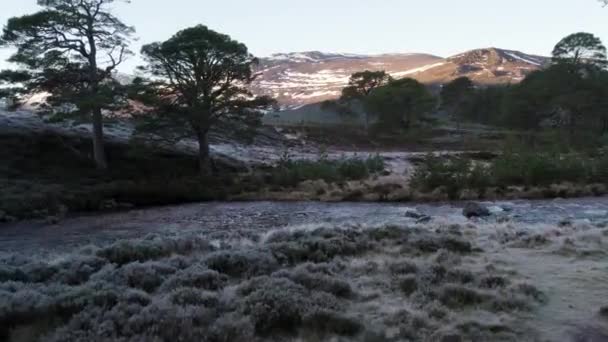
473, 209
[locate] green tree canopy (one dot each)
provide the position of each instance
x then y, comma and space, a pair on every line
198, 78
455, 96
580, 49
563, 96
455, 91
363, 83
400, 103
69, 49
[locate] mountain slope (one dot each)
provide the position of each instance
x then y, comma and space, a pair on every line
297, 79
485, 66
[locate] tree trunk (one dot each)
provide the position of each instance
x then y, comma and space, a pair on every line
204, 159
99, 153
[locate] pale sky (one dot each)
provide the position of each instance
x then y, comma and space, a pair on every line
440, 27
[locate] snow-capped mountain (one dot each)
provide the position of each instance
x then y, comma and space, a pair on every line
296, 79
485, 66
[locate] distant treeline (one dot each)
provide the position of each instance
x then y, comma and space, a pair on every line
569, 95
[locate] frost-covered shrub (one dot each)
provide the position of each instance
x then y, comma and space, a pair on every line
22, 306
152, 248
39, 272
195, 276
11, 273
242, 263
180, 262
159, 321
456, 296
78, 269
402, 268
324, 322
97, 324
232, 327
484, 331
433, 274
493, 281
408, 284
531, 291
320, 245
317, 281
390, 232
459, 275
412, 326
280, 305
436, 242
186, 296
146, 276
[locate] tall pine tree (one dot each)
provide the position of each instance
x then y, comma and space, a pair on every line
70, 49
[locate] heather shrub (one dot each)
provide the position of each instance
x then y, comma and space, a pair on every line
325, 322
242, 263
78, 269
280, 305
317, 281
195, 276
146, 276
187, 296
456, 296
519, 167
319, 245
151, 248
291, 172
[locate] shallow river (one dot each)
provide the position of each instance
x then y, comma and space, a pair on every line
256, 217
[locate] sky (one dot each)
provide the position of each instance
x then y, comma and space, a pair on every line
439, 27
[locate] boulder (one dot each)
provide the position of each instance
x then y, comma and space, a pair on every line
413, 213
6, 218
604, 311
473, 209
424, 219
109, 204
52, 220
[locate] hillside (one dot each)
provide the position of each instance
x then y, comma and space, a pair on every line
297, 79
484, 66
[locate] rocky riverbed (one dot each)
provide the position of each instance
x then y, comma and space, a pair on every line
307, 271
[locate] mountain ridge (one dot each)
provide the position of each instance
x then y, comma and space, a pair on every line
299, 78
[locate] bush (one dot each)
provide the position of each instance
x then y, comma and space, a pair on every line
195, 277
151, 248
146, 276
280, 305
320, 245
317, 281
453, 173
242, 263
330, 322
513, 168
455, 296
291, 172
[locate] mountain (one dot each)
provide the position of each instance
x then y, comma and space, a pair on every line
297, 79
484, 66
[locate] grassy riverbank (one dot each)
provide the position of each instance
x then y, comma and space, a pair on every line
47, 176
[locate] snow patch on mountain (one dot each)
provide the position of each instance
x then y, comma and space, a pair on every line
523, 59
416, 70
